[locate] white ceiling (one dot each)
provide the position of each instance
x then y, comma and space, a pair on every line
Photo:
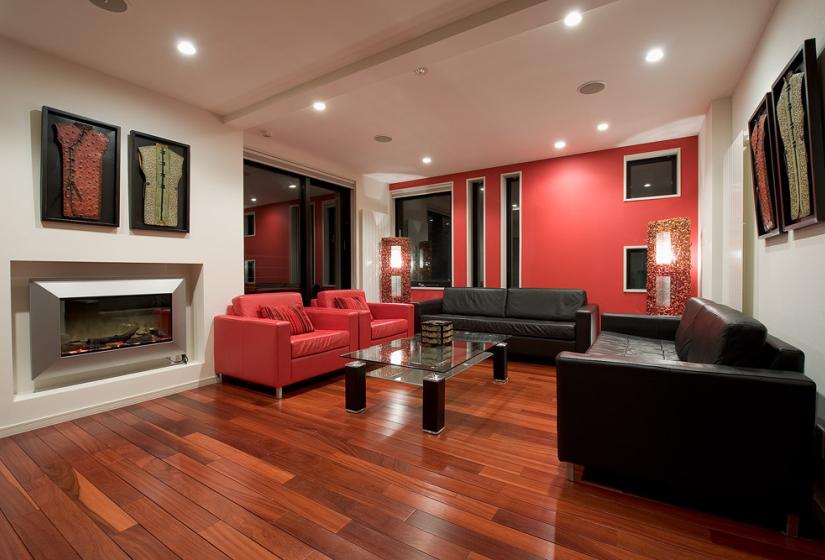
501, 85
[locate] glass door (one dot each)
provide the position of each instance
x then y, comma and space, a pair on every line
296, 233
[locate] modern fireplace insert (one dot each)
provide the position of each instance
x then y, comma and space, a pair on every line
82, 325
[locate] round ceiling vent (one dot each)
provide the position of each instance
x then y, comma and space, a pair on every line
589, 88
383, 138
116, 6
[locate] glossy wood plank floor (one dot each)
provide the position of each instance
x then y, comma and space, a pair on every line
225, 471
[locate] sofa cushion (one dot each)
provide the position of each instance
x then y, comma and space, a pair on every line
722, 335
611, 344
684, 333
317, 342
546, 304
559, 330
381, 328
299, 322
489, 302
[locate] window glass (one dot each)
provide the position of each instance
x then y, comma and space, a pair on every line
656, 176
427, 221
635, 268
513, 213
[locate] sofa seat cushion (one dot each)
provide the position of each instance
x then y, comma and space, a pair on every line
612, 344
558, 330
544, 304
381, 328
318, 341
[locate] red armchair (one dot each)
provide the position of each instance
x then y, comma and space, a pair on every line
263, 351
388, 322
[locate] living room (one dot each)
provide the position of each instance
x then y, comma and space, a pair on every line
453, 279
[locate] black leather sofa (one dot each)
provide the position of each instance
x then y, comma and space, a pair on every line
541, 321
707, 406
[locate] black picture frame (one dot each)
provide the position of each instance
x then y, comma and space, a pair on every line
137, 181
51, 170
766, 107
804, 60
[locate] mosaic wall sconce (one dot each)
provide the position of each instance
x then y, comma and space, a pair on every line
668, 266
395, 270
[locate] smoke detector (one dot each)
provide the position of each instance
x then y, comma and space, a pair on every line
116, 6
383, 138
589, 88
420, 71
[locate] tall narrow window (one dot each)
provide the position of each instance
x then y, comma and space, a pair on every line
249, 271
512, 212
477, 233
426, 220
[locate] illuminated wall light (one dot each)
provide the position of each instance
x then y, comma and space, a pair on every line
664, 248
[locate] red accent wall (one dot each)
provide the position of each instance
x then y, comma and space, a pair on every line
575, 221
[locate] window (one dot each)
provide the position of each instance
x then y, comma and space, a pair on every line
249, 271
427, 221
249, 224
652, 175
635, 269
328, 249
476, 233
512, 231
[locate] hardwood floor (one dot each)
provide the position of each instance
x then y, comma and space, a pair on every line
225, 471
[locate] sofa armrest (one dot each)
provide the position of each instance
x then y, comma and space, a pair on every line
648, 326
587, 326
697, 427
395, 311
336, 320
426, 307
256, 350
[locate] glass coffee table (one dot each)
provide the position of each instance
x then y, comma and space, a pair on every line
407, 360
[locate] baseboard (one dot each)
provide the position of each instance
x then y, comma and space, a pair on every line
29, 425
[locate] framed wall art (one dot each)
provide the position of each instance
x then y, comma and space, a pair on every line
762, 144
797, 99
79, 169
158, 183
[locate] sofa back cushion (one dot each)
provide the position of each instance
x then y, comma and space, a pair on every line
718, 334
546, 304
489, 302
249, 304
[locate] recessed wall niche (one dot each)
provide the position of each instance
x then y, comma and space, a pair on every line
24, 272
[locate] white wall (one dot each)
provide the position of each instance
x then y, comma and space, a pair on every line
31, 80
788, 270
714, 140
371, 195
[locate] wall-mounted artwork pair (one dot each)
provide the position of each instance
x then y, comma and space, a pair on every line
788, 148
80, 175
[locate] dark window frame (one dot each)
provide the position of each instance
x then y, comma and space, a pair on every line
246, 216
512, 251
400, 233
632, 160
626, 270
478, 245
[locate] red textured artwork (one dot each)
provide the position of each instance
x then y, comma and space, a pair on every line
668, 266
81, 148
395, 270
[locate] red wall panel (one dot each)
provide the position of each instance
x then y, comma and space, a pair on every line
575, 221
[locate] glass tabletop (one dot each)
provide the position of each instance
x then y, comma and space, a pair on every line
410, 361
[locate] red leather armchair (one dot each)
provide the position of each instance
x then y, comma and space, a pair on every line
389, 320
263, 351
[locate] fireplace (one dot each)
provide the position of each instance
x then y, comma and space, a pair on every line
88, 325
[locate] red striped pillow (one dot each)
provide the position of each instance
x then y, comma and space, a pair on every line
295, 315
352, 303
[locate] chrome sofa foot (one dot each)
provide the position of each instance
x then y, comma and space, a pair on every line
279, 393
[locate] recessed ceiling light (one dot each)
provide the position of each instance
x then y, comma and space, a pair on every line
293, 186
253, 200
560, 144
572, 19
589, 88
647, 185
426, 160
420, 71
187, 48
654, 55
116, 6
319, 106
601, 127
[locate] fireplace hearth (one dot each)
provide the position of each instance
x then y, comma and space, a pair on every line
87, 325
